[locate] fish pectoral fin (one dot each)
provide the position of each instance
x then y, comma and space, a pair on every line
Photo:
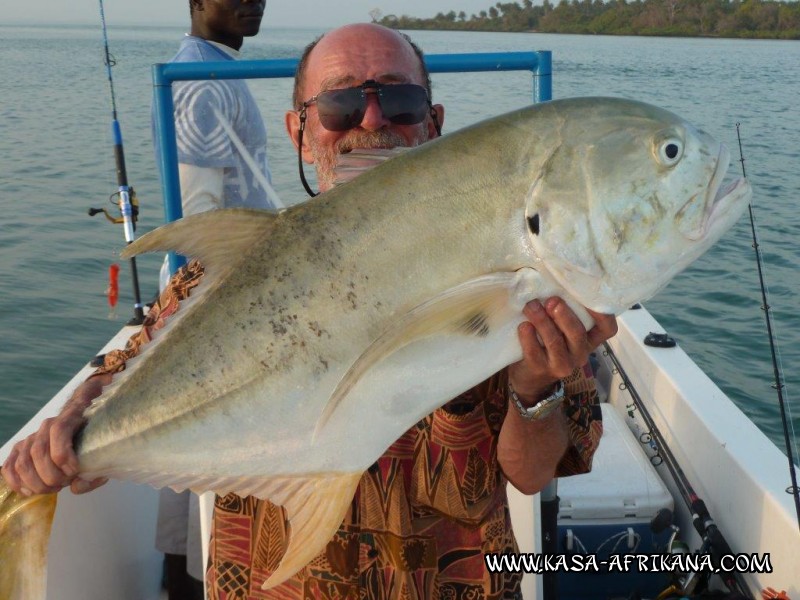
24, 534
315, 507
473, 308
351, 164
218, 238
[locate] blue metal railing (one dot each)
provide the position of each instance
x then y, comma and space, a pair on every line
538, 63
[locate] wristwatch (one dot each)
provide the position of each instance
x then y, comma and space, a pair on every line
542, 408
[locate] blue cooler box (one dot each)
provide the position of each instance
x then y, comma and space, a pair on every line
608, 511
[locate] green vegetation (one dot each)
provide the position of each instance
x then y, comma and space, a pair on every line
713, 18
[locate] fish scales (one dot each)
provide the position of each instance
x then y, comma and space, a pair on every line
322, 333
345, 268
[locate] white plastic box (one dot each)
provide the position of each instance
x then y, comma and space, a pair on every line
608, 511
622, 485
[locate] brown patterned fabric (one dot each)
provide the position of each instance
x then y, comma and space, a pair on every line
178, 289
422, 518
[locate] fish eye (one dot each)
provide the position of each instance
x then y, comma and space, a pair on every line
670, 151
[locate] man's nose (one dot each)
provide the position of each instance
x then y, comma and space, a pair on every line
373, 115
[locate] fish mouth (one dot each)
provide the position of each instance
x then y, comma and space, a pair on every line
720, 198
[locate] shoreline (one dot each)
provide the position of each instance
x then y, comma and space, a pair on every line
605, 33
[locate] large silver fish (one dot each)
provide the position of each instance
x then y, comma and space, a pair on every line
322, 333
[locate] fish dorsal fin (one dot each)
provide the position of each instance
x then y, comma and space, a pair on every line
358, 161
473, 308
218, 238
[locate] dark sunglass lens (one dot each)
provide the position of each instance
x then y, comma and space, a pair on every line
404, 103
340, 110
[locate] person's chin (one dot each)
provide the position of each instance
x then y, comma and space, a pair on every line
251, 26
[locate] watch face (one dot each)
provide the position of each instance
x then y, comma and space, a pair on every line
545, 407
542, 408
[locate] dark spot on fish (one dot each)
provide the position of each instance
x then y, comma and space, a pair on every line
324, 363
476, 325
277, 329
533, 224
352, 298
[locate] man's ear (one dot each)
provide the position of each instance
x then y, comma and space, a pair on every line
439, 110
197, 4
292, 122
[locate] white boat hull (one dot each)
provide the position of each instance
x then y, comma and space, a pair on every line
102, 544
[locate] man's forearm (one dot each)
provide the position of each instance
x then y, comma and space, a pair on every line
529, 451
86, 392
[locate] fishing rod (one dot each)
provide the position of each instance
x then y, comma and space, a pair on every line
127, 202
779, 386
712, 538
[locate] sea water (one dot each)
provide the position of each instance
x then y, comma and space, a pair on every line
56, 161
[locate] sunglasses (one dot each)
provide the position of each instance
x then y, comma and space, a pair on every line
343, 109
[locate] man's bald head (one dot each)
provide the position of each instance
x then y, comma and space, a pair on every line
345, 35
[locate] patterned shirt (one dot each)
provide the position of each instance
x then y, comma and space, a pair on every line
422, 518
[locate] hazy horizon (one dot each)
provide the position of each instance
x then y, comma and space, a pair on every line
279, 13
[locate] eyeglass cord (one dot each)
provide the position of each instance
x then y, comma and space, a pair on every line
300, 146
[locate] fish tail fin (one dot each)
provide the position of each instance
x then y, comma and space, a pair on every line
314, 512
24, 533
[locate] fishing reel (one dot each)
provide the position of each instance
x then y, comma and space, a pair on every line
114, 199
689, 584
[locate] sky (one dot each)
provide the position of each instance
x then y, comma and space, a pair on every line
279, 13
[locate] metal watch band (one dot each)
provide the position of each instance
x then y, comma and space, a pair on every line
542, 408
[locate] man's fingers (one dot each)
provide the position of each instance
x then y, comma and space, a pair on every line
46, 469
9, 471
61, 434
551, 337
605, 327
571, 328
532, 349
30, 480
81, 486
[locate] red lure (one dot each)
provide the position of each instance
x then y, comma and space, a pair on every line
112, 291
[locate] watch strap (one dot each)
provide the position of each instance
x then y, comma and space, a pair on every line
542, 408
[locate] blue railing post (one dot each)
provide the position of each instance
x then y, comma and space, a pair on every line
167, 154
543, 77
164, 75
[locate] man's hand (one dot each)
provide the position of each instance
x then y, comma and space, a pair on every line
529, 451
565, 345
45, 461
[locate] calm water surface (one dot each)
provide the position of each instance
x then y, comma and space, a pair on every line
57, 161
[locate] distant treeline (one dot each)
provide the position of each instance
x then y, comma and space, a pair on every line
715, 18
